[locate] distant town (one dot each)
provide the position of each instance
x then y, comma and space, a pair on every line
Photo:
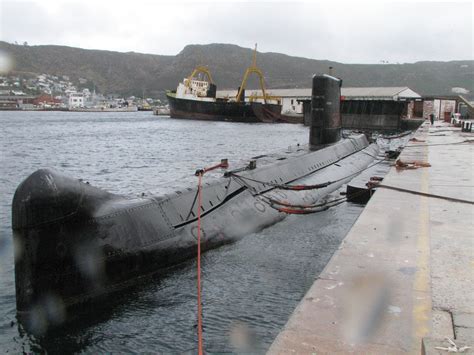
51, 92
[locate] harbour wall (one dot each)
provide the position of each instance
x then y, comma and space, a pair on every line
402, 280
371, 122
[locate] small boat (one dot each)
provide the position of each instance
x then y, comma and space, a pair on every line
161, 111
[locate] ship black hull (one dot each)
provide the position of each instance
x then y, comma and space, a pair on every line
221, 110
269, 113
211, 110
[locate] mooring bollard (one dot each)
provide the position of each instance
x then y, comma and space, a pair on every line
466, 126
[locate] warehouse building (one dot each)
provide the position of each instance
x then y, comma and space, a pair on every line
361, 107
376, 108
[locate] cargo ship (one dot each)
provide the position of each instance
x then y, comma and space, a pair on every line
197, 99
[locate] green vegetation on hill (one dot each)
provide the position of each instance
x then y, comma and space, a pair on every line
135, 73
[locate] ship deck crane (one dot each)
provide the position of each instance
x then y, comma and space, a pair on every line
253, 69
199, 69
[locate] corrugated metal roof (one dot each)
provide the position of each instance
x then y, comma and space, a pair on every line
355, 93
382, 93
372, 91
302, 93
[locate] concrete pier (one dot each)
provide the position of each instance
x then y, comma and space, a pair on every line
403, 278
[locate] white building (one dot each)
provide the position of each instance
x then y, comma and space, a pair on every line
76, 100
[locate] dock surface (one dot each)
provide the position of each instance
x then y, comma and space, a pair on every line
403, 278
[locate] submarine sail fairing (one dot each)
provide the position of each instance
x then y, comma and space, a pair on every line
75, 242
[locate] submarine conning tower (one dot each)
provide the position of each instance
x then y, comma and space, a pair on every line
325, 126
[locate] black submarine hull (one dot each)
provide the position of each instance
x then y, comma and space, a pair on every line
75, 242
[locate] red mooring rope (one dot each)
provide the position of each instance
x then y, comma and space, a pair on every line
199, 265
199, 173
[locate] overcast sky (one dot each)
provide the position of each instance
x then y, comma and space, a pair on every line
349, 32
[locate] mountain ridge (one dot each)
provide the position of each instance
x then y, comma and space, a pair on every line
128, 73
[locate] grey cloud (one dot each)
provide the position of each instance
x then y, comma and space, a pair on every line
346, 32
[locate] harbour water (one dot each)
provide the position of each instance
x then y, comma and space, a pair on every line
249, 288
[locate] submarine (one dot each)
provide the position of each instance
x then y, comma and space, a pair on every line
75, 242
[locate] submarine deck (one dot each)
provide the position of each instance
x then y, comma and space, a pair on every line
402, 280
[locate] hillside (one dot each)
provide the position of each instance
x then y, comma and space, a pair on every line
135, 73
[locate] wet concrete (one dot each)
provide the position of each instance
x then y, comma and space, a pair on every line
402, 280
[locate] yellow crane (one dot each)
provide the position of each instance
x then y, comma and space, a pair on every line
199, 69
253, 69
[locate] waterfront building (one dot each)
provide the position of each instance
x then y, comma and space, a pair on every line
76, 100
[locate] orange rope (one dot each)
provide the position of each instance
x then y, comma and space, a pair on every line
199, 173
199, 266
